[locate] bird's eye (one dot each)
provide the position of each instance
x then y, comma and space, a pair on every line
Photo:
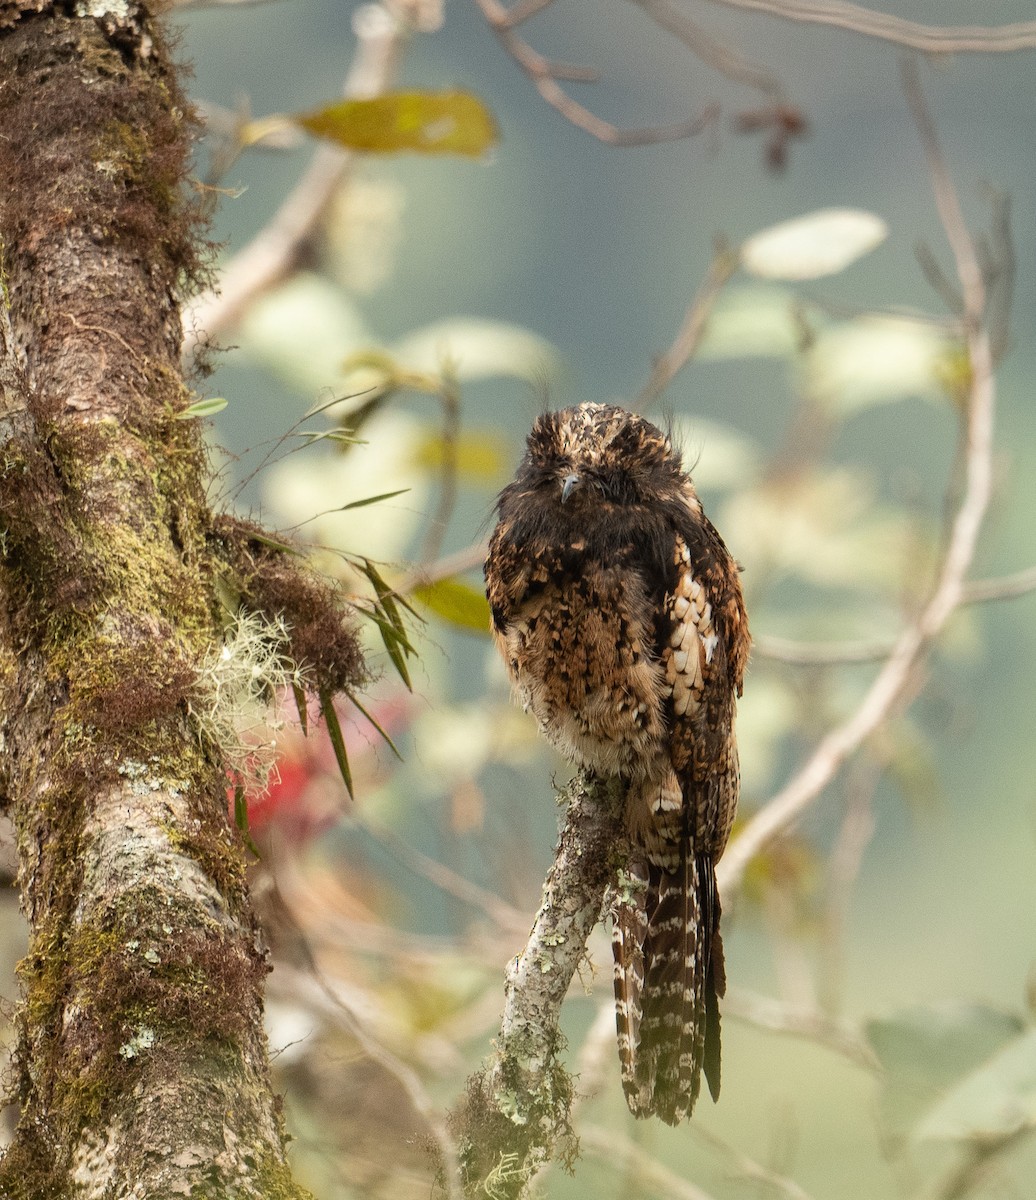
615, 486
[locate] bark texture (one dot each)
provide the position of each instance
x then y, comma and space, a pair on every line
141, 1067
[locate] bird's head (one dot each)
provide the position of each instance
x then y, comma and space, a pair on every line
600, 455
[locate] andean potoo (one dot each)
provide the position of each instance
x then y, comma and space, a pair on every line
619, 614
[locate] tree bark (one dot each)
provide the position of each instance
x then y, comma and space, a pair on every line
141, 1065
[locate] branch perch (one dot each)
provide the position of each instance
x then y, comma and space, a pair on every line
516, 1113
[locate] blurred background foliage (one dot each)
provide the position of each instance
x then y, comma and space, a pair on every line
878, 1037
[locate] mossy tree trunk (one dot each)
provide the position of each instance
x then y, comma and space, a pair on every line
141, 1065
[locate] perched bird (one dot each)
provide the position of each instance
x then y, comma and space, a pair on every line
618, 612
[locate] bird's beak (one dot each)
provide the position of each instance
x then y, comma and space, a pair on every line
568, 486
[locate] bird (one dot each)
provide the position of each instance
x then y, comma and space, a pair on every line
619, 614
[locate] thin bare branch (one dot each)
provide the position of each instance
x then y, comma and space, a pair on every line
811, 1024
450, 397
275, 250
689, 335
303, 984
1008, 587
525, 9
843, 870
545, 74
713, 53
447, 880
820, 654
930, 39
948, 592
444, 568
748, 1169
612, 1147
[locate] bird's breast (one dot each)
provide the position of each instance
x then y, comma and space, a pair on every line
580, 647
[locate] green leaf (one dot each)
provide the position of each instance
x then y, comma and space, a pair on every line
387, 627
343, 437
396, 654
426, 122
809, 247
229, 596
457, 602
264, 539
334, 732
202, 408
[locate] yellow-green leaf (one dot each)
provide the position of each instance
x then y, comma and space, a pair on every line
425, 122
456, 602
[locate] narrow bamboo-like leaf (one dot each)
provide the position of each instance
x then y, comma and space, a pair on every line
241, 819
387, 597
369, 500
388, 740
458, 603
264, 539
299, 692
202, 408
425, 122
334, 732
388, 628
342, 436
398, 660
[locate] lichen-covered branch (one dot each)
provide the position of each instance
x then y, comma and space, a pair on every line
515, 1114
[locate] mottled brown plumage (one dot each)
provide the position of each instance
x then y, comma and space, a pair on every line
618, 611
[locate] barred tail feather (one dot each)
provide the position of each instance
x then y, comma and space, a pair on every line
629, 931
669, 976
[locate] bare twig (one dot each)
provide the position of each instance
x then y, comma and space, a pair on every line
748, 1168
710, 51
274, 251
449, 395
949, 590
688, 338
772, 1015
444, 568
843, 869
930, 39
545, 75
613, 1147
830, 654
1009, 587
303, 983
814, 654
448, 880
